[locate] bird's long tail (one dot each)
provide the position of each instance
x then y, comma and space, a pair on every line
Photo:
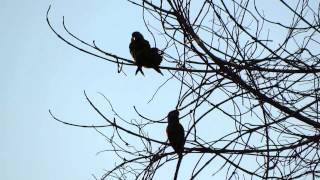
178, 166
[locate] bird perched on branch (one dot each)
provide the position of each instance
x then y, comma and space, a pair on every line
153, 59
175, 133
143, 54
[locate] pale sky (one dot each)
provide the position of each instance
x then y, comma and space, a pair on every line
39, 72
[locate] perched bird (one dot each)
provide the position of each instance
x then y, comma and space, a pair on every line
155, 57
138, 47
143, 55
175, 132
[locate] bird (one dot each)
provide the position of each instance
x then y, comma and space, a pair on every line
155, 58
175, 133
138, 46
143, 54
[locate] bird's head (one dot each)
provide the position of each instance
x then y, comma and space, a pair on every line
136, 36
173, 116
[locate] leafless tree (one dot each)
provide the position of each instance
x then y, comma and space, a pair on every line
254, 66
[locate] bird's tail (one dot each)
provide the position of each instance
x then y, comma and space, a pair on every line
178, 166
139, 69
158, 70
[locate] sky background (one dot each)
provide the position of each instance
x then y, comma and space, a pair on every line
39, 72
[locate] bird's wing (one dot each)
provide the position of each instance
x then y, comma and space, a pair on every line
176, 137
131, 48
180, 132
146, 44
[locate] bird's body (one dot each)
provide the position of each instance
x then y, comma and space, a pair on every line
175, 132
155, 59
138, 48
143, 54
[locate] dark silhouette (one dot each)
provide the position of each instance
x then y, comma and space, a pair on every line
153, 59
175, 133
143, 55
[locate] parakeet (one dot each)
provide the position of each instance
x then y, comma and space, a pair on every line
155, 57
138, 47
175, 132
142, 54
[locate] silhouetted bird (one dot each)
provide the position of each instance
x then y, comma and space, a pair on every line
143, 55
155, 57
175, 132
